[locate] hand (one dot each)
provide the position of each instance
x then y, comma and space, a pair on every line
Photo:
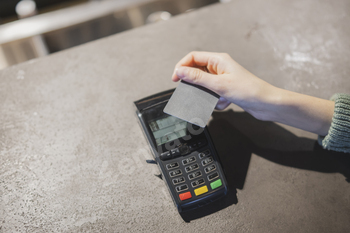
226, 78
265, 102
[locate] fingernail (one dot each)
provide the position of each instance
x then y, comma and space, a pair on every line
180, 72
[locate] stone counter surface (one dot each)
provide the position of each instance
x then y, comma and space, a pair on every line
72, 156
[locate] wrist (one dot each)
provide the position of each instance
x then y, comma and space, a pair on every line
301, 111
274, 102
265, 102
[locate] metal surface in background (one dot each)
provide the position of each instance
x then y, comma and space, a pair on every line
40, 35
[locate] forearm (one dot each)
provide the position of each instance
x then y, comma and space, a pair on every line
265, 102
301, 111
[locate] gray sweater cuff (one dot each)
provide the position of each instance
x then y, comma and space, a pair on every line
338, 137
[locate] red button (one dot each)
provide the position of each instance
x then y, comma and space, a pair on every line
184, 196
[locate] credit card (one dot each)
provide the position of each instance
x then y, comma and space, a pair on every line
192, 103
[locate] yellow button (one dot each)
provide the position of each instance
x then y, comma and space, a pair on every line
201, 190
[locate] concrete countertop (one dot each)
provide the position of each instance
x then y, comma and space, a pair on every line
73, 156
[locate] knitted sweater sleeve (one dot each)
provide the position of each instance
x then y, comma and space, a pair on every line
338, 137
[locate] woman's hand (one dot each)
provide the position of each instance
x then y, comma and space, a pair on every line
226, 78
265, 102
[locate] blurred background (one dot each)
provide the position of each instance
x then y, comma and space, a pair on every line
36, 28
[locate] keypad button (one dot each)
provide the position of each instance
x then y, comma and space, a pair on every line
213, 176
185, 196
194, 175
172, 165
201, 181
189, 160
216, 184
178, 180
201, 190
165, 156
197, 182
181, 188
202, 154
175, 173
192, 167
175, 152
210, 168
207, 161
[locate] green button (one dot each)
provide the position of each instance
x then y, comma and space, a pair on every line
216, 184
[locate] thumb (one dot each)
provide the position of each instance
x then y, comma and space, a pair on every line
196, 76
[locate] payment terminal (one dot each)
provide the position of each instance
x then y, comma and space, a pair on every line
184, 153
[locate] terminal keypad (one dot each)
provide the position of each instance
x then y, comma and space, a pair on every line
194, 174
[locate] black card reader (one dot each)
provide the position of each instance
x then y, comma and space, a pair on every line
184, 153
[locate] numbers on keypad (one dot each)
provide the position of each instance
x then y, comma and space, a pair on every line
181, 188
194, 179
178, 180
197, 182
192, 167
194, 175
213, 176
171, 166
189, 160
175, 173
207, 161
210, 168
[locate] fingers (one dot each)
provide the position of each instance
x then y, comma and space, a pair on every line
207, 69
197, 60
197, 76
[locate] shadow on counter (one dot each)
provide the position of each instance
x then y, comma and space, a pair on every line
237, 135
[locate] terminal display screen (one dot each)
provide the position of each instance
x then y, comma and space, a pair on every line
167, 129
